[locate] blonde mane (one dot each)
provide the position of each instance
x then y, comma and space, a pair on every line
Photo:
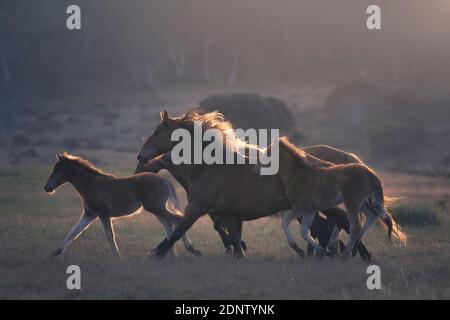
298, 153
82, 163
215, 120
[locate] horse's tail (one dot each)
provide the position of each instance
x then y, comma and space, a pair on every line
378, 203
173, 199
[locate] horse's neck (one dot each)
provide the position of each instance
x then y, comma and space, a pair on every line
81, 180
290, 169
177, 172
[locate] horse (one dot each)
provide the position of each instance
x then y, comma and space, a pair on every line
311, 187
106, 197
165, 162
234, 191
322, 228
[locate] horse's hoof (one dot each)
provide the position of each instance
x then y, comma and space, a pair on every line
243, 245
196, 253
54, 253
334, 252
369, 259
151, 253
299, 251
154, 254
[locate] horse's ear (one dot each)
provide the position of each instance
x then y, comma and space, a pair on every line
164, 115
58, 156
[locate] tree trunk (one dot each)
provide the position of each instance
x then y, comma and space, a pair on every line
5, 69
178, 58
232, 78
206, 66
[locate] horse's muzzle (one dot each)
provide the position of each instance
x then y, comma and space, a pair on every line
48, 189
141, 159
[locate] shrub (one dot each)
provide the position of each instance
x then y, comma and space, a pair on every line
419, 215
248, 110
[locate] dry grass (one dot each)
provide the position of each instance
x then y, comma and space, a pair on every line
32, 224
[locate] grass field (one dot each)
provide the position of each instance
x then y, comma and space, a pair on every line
33, 223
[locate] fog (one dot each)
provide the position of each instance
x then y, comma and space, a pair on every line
154, 43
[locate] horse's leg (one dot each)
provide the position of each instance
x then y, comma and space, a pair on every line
226, 239
110, 236
353, 208
191, 214
333, 242
321, 230
286, 219
309, 248
86, 219
168, 229
339, 217
370, 219
307, 221
167, 217
234, 227
189, 246
224, 236
364, 252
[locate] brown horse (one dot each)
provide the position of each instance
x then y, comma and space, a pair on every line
322, 228
233, 191
105, 196
165, 162
311, 187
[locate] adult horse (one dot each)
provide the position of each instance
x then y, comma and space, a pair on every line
232, 191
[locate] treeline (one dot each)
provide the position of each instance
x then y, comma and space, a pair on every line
143, 43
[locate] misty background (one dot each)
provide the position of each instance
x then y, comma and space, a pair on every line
382, 94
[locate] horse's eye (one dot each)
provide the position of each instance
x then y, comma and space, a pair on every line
145, 139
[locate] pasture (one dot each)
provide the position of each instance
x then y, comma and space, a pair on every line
308, 68
32, 224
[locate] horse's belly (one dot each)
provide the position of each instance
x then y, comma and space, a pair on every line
251, 210
323, 202
121, 212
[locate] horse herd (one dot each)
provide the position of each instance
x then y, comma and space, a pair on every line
310, 180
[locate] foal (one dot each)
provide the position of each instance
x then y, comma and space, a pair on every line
311, 188
105, 196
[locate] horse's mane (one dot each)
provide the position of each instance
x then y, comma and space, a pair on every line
209, 120
214, 120
82, 163
298, 153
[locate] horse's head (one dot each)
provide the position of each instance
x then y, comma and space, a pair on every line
59, 175
155, 165
159, 141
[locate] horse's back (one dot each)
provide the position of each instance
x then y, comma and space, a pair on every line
331, 154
